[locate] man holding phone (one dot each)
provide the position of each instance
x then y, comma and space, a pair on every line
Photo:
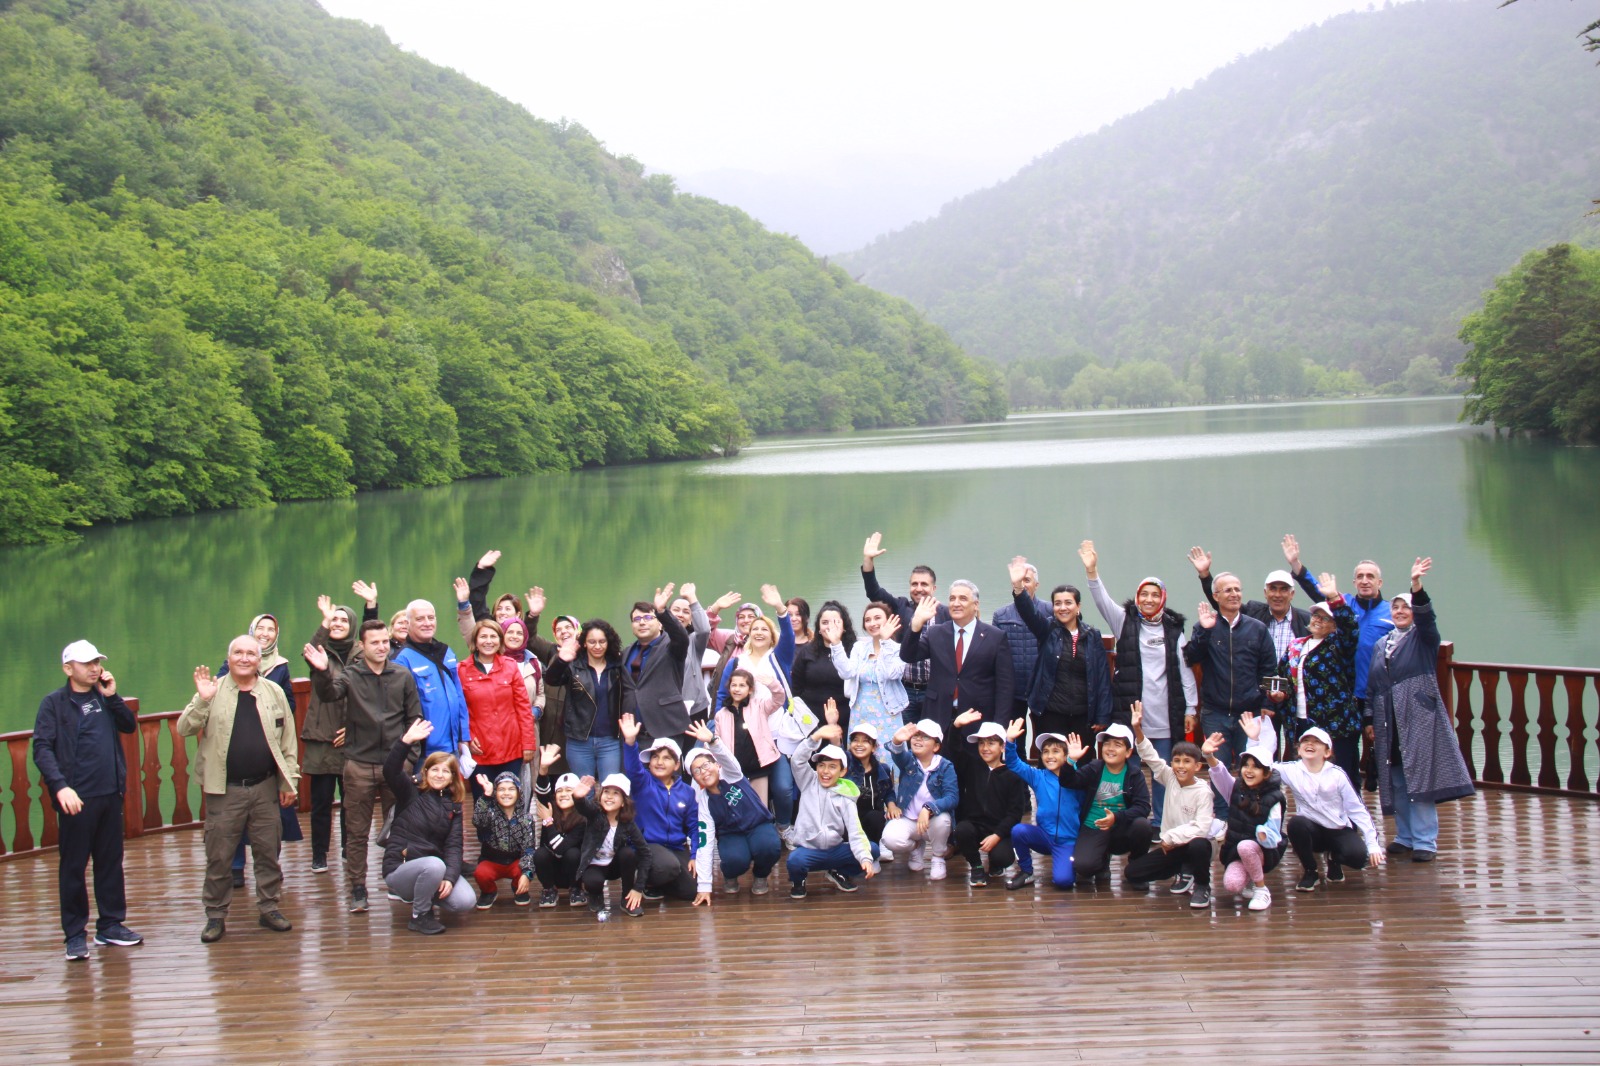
80, 761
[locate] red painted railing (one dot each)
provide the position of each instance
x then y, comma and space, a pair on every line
1552, 746
161, 793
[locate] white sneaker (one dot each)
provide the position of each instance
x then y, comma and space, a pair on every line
1261, 899
760, 887
730, 887
885, 855
936, 871
919, 858
1248, 893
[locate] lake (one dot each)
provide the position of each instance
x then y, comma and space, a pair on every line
1511, 527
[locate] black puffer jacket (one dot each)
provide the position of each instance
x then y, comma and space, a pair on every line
628, 836
426, 824
1248, 808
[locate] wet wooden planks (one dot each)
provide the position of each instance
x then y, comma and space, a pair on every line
1490, 954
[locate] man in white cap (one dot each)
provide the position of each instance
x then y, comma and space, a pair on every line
80, 761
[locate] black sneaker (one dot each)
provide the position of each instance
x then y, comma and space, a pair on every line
1422, 856
596, 902
1103, 877
1182, 885
213, 931
635, 911
319, 866
797, 890
1308, 883
976, 878
238, 879
1018, 880
77, 948
547, 898
486, 900
841, 881
522, 899
275, 921
118, 934
358, 899
1200, 898
654, 895
577, 897
1396, 849
1335, 871
426, 924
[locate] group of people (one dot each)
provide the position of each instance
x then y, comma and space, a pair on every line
787, 738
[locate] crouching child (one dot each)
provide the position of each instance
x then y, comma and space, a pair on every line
827, 828
1055, 825
1183, 849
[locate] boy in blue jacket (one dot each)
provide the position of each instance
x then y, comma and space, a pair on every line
1057, 810
926, 799
668, 812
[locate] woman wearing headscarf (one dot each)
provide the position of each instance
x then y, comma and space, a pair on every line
1419, 760
322, 736
1150, 642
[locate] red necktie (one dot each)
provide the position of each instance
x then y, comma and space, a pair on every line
961, 637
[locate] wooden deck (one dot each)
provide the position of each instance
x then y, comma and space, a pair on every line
1490, 954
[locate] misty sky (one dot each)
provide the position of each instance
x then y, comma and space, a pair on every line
874, 109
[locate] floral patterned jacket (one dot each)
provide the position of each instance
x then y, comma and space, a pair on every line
1328, 674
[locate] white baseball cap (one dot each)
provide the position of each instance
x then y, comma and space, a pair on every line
694, 757
866, 729
1118, 730
618, 781
1280, 577
80, 651
1316, 732
928, 727
988, 729
568, 781
1039, 740
832, 751
663, 743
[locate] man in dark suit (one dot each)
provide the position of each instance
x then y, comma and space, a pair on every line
969, 662
924, 585
652, 672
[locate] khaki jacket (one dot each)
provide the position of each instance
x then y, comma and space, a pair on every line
213, 720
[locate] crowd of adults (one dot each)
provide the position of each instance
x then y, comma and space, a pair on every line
930, 736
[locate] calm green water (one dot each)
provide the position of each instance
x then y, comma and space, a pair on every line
1511, 527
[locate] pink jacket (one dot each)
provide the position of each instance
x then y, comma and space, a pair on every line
756, 713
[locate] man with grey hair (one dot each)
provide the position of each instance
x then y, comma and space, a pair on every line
969, 663
433, 668
248, 769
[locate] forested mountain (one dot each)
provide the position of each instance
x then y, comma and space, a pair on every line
1346, 196
252, 252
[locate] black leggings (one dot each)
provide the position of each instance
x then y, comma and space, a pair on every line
1307, 838
621, 868
323, 788
1193, 858
556, 869
967, 837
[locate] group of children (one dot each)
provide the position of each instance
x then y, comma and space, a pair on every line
656, 829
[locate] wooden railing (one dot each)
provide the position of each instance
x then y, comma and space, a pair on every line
1552, 748
161, 792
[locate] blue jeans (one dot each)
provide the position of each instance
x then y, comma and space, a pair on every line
803, 860
1233, 745
1416, 822
758, 850
597, 757
782, 792
1028, 839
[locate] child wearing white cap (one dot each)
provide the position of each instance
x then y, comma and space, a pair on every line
734, 823
995, 802
1329, 815
1115, 801
668, 812
874, 779
926, 799
827, 830
555, 862
613, 847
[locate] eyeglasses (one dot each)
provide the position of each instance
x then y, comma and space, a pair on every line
642, 618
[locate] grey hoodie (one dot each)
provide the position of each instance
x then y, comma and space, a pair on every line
827, 816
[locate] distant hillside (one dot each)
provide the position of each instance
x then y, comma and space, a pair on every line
252, 252
1347, 196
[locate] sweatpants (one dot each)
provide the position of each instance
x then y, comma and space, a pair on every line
621, 868
556, 870
967, 837
1253, 864
900, 836
669, 872
1130, 838
1027, 839
94, 832
488, 875
1308, 837
1193, 858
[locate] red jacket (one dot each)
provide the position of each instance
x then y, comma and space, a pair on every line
498, 710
